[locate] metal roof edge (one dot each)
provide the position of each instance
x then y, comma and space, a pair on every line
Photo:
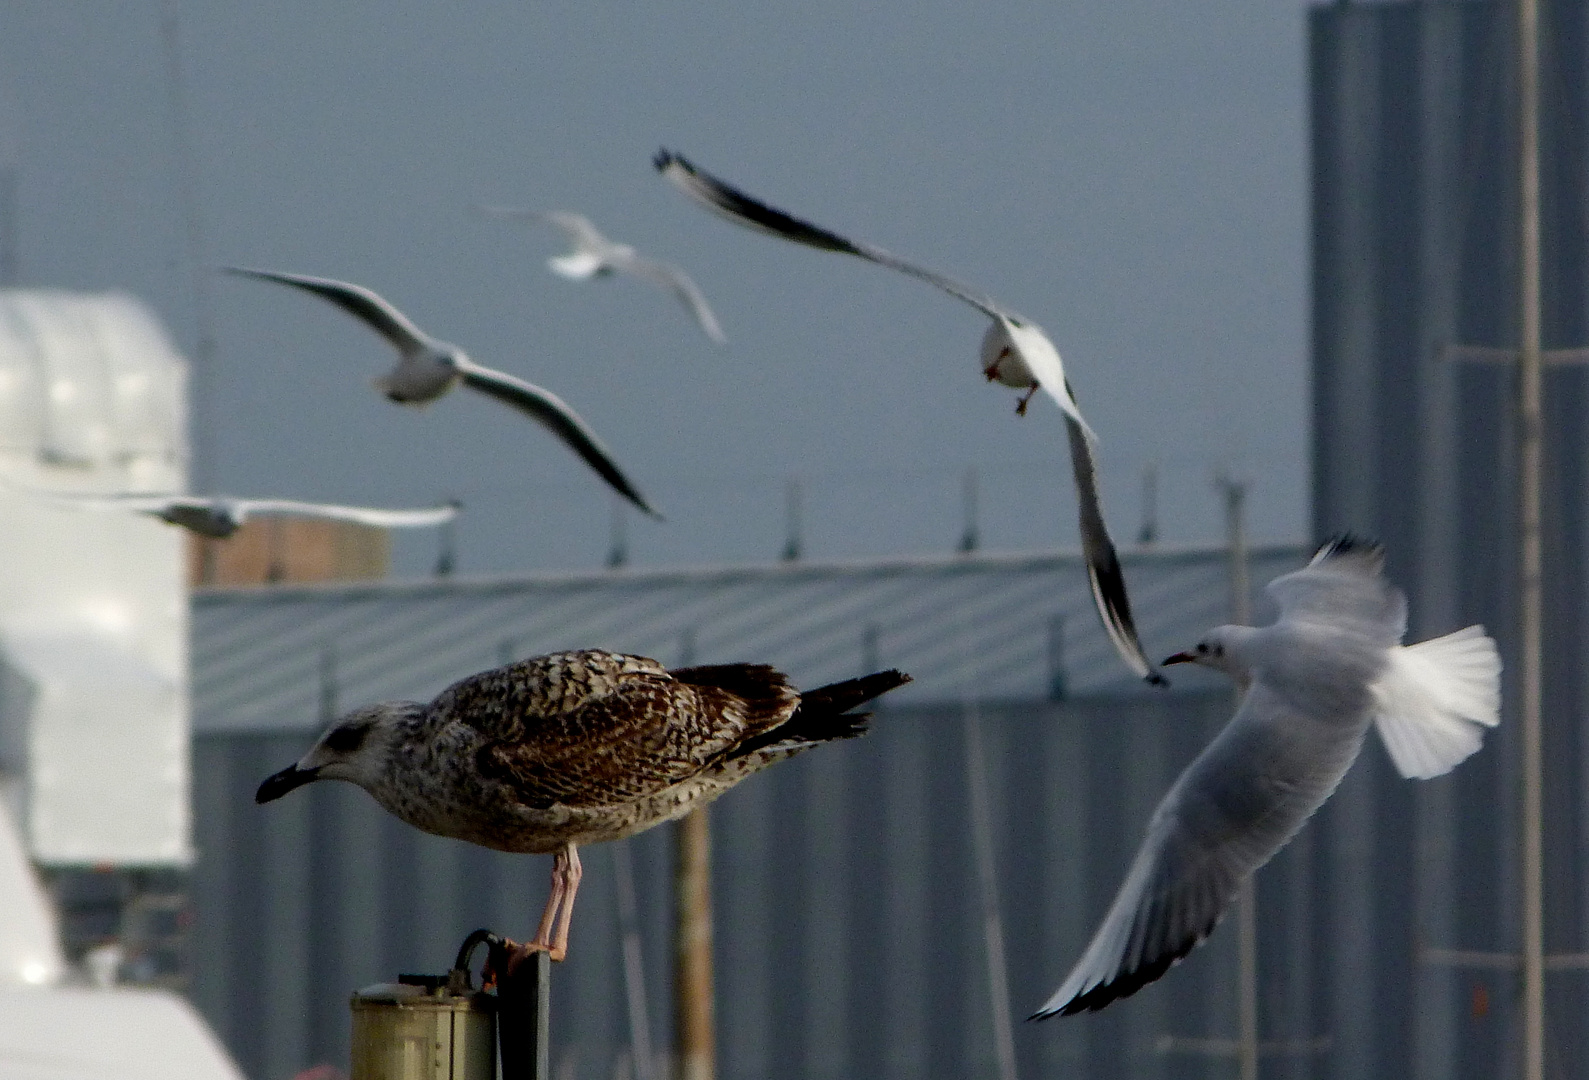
726, 573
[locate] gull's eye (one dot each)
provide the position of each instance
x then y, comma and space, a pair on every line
348, 738
1202, 648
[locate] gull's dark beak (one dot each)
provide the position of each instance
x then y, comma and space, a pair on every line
279, 784
1178, 658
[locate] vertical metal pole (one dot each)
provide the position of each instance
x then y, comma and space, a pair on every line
694, 1029
970, 539
1148, 533
793, 545
618, 535
987, 880
9, 217
1530, 438
634, 976
1246, 900
524, 1015
200, 390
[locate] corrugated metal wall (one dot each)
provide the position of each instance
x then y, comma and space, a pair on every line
848, 942
1414, 254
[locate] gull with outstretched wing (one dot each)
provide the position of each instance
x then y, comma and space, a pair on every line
595, 256
1317, 679
1015, 351
220, 516
427, 368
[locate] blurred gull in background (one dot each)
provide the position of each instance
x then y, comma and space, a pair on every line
428, 368
221, 516
596, 256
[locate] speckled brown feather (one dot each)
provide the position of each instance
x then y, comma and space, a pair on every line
591, 729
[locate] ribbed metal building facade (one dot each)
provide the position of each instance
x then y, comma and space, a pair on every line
849, 933
1414, 286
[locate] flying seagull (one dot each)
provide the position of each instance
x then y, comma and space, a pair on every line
428, 368
220, 516
1015, 352
575, 748
596, 256
1317, 679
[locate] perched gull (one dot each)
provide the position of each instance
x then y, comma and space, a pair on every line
596, 256
1330, 667
1015, 351
428, 368
575, 748
220, 516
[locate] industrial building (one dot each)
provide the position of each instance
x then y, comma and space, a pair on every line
1415, 270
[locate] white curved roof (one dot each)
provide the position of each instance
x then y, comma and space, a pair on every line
88, 380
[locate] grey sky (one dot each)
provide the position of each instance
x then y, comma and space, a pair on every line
1131, 175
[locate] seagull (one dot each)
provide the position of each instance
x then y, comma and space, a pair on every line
221, 516
1329, 668
1014, 351
596, 256
428, 368
575, 748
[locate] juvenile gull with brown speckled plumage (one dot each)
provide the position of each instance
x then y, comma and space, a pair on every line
575, 748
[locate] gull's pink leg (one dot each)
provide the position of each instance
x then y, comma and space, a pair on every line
574, 872
554, 900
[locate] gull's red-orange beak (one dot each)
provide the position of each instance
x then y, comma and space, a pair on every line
1180, 658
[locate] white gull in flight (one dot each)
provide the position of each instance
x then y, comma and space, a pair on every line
1015, 351
594, 256
1316, 679
427, 368
220, 516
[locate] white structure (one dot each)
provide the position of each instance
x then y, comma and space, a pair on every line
93, 608
54, 1032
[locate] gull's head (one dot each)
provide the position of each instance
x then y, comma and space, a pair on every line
1223, 648
357, 748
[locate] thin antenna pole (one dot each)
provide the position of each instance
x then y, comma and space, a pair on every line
1235, 494
792, 545
1530, 601
970, 537
618, 535
694, 1022
634, 976
1148, 534
10, 204
200, 404
987, 874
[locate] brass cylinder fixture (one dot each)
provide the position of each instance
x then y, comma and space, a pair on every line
419, 1029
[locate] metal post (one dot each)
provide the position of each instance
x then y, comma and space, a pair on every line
1246, 900
618, 536
793, 546
970, 539
201, 458
524, 1019
634, 976
1530, 438
987, 881
1148, 534
694, 1035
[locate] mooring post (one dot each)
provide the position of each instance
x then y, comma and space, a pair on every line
524, 1016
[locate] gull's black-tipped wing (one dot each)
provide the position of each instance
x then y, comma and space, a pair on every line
551, 411
1103, 564
1237, 804
363, 304
734, 204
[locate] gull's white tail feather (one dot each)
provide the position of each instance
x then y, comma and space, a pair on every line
1434, 700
